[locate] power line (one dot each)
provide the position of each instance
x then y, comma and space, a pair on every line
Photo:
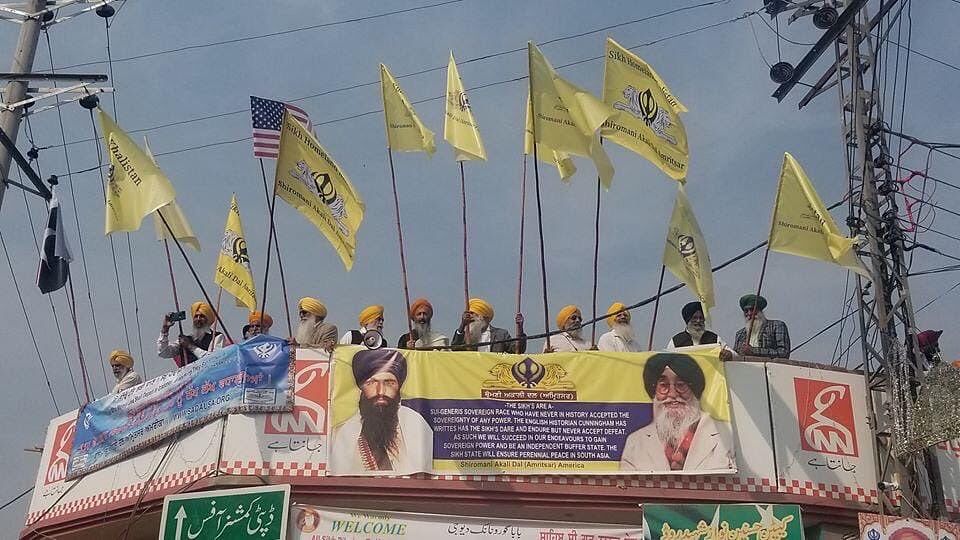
17, 498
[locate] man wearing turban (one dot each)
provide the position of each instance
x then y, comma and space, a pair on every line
312, 331
371, 318
257, 324
569, 320
384, 435
767, 337
681, 436
696, 332
421, 313
620, 338
190, 347
475, 328
121, 362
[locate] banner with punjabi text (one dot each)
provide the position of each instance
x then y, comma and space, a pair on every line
402, 412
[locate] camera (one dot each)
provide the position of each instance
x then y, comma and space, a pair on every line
175, 316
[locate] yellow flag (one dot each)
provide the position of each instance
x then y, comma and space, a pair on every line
312, 182
566, 117
233, 265
175, 217
136, 186
649, 122
405, 131
459, 127
686, 252
562, 160
803, 226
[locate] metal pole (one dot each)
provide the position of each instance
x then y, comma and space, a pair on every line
17, 90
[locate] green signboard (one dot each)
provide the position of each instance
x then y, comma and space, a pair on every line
727, 521
259, 512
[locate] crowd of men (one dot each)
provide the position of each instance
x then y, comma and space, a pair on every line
198, 336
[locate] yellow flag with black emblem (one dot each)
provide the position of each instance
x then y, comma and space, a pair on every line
405, 131
649, 120
459, 127
308, 179
233, 265
136, 186
562, 160
565, 117
803, 226
686, 252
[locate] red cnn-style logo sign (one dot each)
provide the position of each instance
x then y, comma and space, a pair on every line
825, 413
60, 454
309, 414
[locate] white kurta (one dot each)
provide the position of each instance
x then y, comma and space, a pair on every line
710, 450
131, 379
566, 343
414, 450
611, 342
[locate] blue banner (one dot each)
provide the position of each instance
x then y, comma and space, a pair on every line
254, 376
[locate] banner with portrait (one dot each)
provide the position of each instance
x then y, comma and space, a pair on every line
249, 377
402, 412
309, 522
692, 521
883, 527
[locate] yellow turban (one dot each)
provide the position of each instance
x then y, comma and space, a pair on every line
312, 305
419, 304
203, 308
480, 307
122, 358
614, 308
254, 318
370, 314
565, 314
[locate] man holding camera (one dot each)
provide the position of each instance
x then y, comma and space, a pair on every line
188, 348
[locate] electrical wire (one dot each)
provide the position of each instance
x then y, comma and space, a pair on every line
757, 41
17, 498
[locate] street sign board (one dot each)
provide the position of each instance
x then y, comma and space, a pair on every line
257, 512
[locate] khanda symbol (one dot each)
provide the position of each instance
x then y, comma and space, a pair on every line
688, 250
239, 251
528, 372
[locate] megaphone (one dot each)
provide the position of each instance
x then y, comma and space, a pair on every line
372, 339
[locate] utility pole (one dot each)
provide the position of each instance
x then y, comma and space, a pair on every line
886, 312
17, 90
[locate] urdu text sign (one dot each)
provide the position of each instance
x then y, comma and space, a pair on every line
258, 512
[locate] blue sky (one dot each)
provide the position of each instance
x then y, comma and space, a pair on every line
737, 135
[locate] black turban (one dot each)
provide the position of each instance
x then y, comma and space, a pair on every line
683, 365
366, 364
690, 309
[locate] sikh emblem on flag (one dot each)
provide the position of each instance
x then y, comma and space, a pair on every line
319, 183
233, 265
685, 253
459, 126
643, 105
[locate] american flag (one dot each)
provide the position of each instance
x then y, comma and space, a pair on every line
267, 117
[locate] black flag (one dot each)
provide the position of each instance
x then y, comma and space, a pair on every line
55, 258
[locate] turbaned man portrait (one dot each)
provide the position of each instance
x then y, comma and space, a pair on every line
383, 435
681, 436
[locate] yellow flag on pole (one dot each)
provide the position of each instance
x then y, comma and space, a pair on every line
459, 127
685, 253
174, 216
308, 179
803, 226
566, 117
136, 186
405, 131
649, 122
233, 265
562, 160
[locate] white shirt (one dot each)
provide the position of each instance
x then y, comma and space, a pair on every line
347, 338
436, 340
612, 342
485, 336
566, 343
131, 379
414, 449
166, 349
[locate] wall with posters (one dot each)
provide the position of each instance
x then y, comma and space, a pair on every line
948, 457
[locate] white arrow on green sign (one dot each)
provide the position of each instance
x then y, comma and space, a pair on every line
258, 512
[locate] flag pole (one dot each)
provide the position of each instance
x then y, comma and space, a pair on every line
276, 244
656, 307
213, 327
463, 198
403, 260
270, 236
536, 183
173, 284
523, 205
766, 254
596, 265
203, 290
76, 330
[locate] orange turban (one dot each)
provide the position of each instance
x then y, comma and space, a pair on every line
614, 308
254, 318
419, 304
122, 358
480, 307
370, 314
312, 305
204, 309
565, 314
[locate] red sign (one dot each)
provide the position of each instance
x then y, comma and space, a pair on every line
60, 453
825, 413
311, 391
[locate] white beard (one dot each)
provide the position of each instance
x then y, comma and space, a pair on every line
474, 331
672, 425
695, 333
754, 338
624, 331
198, 332
308, 331
424, 335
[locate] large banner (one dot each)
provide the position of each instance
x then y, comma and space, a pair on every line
314, 522
693, 521
563, 413
252, 376
878, 527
